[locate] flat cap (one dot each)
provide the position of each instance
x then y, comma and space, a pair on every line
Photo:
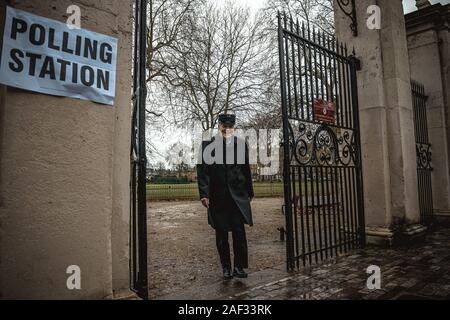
229, 119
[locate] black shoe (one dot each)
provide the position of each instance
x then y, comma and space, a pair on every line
227, 274
239, 273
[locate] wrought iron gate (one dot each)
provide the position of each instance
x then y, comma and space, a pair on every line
138, 221
323, 189
423, 152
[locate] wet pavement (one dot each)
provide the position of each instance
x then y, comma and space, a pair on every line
182, 249
419, 271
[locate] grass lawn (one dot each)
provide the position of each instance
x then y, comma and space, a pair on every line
190, 191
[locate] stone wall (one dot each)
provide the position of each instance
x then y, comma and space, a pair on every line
64, 176
386, 119
428, 34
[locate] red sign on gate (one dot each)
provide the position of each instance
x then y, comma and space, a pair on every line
324, 111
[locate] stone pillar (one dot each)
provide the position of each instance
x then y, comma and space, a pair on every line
386, 117
121, 154
429, 58
64, 176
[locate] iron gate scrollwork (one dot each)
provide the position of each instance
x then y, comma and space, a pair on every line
323, 188
348, 7
423, 152
138, 221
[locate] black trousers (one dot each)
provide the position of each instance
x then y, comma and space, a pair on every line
240, 249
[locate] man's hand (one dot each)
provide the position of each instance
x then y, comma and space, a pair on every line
205, 202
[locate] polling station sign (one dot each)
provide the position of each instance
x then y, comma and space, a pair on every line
46, 56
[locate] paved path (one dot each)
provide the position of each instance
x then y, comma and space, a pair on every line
182, 249
420, 271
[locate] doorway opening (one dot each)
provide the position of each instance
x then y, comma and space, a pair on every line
309, 210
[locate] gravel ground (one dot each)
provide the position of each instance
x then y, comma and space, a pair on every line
182, 252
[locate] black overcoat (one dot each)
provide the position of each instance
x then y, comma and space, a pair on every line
225, 180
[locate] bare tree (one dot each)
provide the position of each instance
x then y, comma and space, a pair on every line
168, 23
215, 67
315, 14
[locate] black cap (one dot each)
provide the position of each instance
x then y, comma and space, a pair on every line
228, 119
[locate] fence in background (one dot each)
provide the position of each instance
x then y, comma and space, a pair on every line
423, 152
166, 192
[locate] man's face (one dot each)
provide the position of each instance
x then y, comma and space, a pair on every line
226, 130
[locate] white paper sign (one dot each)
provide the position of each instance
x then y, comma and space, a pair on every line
46, 56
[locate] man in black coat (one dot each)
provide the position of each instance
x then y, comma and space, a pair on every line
226, 190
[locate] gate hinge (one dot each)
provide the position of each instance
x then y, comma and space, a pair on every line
143, 160
355, 61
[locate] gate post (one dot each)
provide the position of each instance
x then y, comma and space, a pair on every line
65, 179
286, 157
138, 263
355, 65
386, 120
